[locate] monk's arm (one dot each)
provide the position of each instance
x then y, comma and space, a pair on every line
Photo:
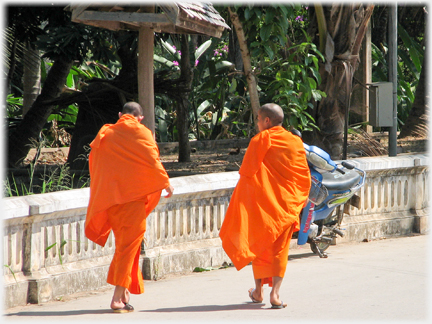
169, 190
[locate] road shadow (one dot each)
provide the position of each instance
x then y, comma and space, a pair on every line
302, 256
207, 308
62, 313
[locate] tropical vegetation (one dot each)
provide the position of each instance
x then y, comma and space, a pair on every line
79, 75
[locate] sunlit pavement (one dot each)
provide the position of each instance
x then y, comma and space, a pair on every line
386, 279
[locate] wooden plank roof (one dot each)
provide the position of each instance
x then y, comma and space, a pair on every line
168, 17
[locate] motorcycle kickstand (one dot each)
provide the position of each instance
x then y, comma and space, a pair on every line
321, 254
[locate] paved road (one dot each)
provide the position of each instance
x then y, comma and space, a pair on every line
374, 281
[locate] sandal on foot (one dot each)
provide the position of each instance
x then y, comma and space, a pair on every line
126, 309
251, 296
282, 305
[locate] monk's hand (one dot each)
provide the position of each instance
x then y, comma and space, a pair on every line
169, 190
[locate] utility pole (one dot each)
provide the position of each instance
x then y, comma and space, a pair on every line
392, 75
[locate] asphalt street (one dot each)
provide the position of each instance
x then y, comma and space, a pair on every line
381, 280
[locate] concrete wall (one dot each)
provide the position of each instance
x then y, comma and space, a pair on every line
46, 254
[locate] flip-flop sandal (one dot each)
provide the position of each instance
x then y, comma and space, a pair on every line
251, 296
126, 309
282, 305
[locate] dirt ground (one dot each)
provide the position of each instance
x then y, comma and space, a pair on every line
206, 157
203, 160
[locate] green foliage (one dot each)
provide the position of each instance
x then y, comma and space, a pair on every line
200, 269
219, 97
295, 85
13, 106
410, 58
13, 273
60, 248
267, 27
76, 81
50, 180
77, 42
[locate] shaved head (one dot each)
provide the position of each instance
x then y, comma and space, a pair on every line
273, 112
133, 108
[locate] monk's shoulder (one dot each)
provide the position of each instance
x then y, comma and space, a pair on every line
137, 130
261, 136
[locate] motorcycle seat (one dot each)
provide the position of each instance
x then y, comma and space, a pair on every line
338, 181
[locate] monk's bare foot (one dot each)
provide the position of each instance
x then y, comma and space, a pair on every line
255, 296
117, 304
126, 297
275, 301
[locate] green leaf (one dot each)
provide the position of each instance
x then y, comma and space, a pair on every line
205, 104
204, 46
50, 247
70, 81
223, 65
233, 86
284, 10
312, 83
258, 12
171, 49
283, 22
162, 60
293, 121
303, 120
408, 42
247, 13
309, 116
407, 87
265, 32
269, 16
99, 72
269, 52
199, 269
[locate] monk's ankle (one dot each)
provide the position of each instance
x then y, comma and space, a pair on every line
117, 304
257, 295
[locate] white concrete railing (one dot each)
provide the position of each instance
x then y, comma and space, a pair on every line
394, 199
182, 232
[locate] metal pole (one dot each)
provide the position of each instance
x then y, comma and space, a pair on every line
392, 67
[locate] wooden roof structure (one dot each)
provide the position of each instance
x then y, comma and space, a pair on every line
175, 18
165, 17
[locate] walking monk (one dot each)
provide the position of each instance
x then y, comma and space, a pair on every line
127, 179
264, 209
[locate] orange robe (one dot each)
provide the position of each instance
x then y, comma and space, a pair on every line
127, 179
265, 206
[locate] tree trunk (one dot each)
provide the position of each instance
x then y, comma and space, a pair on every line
341, 28
31, 77
20, 140
183, 102
250, 77
234, 52
100, 104
12, 65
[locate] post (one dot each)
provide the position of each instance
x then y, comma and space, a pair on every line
145, 76
392, 67
366, 57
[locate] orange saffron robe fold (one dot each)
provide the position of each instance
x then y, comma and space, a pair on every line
265, 205
127, 179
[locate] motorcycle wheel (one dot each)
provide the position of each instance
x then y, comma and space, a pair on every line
322, 246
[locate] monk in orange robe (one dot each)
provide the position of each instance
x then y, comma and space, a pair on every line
127, 179
264, 209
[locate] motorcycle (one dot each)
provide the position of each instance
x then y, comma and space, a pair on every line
332, 186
